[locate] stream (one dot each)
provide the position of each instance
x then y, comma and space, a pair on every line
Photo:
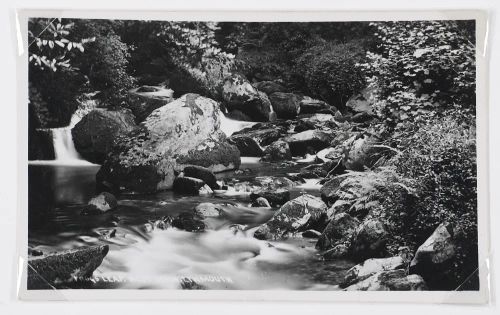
142, 257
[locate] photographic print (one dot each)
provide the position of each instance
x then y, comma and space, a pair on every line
310, 156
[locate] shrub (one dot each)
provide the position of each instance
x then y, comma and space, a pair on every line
329, 71
422, 68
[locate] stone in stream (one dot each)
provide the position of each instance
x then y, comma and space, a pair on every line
239, 94
101, 203
315, 170
300, 214
393, 280
189, 222
190, 186
275, 197
370, 267
341, 228
183, 132
56, 270
96, 133
369, 240
307, 141
246, 145
202, 173
264, 134
269, 87
143, 100
261, 202
311, 234
277, 151
362, 152
338, 251
286, 105
208, 210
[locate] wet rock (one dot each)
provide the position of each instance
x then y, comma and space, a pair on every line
269, 87
190, 186
300, 214
34, 252
207, 210
330, 189
202, 173
263, 134
341, 228
394, 280
261, 202
101, 203
275, 197
307, 142
311, 106
246, 145
304, 125
370, 267
96, 133
277, 151
263, 233
369, 240
143, 100
311, 234
286, 105
55, 270
315, 170
363, 152
189, 222
239, 94
435, 257
184, 132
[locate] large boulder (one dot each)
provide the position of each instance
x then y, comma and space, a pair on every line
286, 105
369, 240
393, 280
340, 229
300, 214
370, 267
181, 133
269, 87
309, 141
435, 257
277, 151
143, 100
239, 94
101, 203
96, 133
208, 210
57, 270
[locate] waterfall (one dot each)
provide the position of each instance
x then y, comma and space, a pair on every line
64, 147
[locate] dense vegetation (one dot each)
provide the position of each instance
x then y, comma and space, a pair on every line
423, 75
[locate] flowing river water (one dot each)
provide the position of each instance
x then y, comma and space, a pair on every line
142, 257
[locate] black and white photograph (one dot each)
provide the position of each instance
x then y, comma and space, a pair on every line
238, 155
